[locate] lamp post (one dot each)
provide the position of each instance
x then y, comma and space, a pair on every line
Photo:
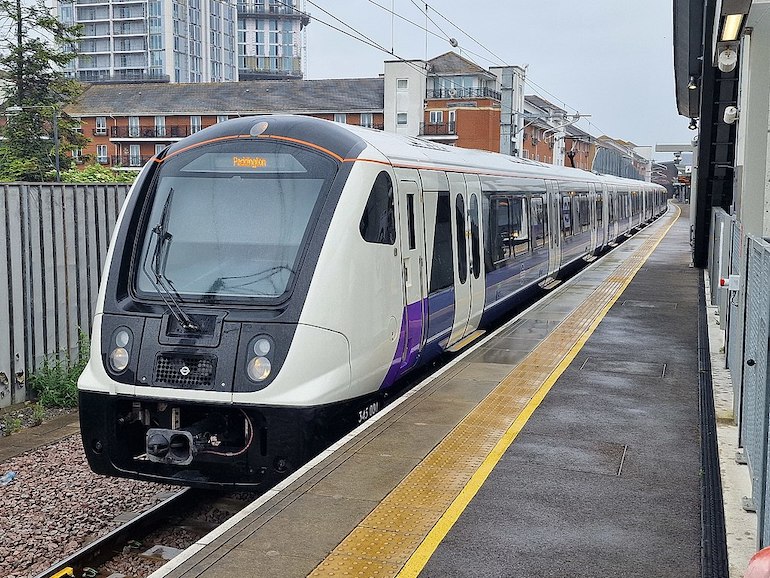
57, 165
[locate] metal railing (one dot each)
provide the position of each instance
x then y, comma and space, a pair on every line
270, 10
136, 161
453, 93
148, 131
437, 129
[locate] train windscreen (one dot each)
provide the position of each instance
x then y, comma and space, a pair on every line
229, 221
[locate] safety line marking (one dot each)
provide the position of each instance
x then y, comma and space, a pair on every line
442, 486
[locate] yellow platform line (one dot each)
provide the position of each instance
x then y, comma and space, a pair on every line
401, 534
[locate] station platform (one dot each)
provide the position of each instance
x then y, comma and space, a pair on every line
566, 443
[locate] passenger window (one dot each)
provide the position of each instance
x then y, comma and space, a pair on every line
500, 230
410, 219
519, 226
378, 223
475, 241
584, 213
566, 216
599, 211
538, 222
462, 251
442, 269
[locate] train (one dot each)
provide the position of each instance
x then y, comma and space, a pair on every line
272, 279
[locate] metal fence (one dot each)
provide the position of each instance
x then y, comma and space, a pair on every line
745, 316
54, 240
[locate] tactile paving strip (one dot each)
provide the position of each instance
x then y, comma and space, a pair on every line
388, 541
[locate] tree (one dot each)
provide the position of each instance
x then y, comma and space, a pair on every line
34, 48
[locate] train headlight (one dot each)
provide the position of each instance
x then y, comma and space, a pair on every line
119, 359
259, 363
120, 353
262, 346
258, 369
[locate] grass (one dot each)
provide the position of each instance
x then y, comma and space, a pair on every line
55, 383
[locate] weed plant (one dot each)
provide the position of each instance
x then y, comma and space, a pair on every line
56, 382
9, 425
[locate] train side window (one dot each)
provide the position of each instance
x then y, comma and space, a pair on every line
475, 238
538, 222
378, 223
566, 216
584, 213
410, 220
462, 250
599, 211
519, 226
500, 229
442, 270
611, 210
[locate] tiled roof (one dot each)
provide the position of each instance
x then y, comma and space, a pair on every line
453, 63
540, 102
247, 97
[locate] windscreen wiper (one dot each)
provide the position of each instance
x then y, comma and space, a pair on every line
158, 278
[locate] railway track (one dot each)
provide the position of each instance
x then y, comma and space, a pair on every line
181, 510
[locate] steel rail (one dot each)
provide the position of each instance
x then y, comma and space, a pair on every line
104, 548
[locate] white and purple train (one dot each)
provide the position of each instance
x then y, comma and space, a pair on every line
271, 278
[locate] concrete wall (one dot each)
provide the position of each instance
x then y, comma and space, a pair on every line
409, 100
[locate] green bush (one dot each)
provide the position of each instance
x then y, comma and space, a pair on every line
95, 173
56, 382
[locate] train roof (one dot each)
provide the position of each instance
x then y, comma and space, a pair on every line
420, 153
342, 140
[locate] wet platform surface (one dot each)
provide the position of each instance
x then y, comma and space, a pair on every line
565, 445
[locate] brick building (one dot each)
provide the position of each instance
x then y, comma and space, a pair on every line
128, 124
447, 99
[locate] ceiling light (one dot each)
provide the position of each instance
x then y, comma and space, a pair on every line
731, 27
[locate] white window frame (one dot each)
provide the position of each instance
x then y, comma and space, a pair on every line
134, 155
222, 118
341, 117
402, 119
101, 154
436, 116
402, 84
195, 123
101, 125
160, 126
133, 126
367, 119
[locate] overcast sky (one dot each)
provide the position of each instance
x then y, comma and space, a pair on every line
612, 59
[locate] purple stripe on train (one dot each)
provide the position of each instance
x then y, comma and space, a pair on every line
408, 349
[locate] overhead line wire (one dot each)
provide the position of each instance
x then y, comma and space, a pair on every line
361, 37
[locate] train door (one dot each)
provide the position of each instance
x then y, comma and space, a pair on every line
612, 214
458, 198
601, 217
593, 217
412, 227
475, 246
554, 220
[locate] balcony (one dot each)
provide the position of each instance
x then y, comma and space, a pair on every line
149, 132
455, 93
263, 10
129, 161
437, 129
124, 76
